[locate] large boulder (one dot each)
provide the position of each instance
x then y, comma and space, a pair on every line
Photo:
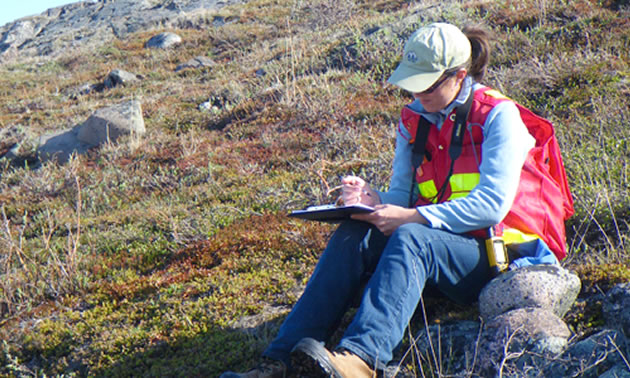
104, 126
524, 337
542, 286
108, 124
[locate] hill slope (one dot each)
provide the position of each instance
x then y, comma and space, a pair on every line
142, 258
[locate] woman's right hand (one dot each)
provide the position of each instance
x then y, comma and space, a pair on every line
356, 190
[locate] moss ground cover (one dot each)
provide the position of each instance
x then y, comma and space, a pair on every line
142, 258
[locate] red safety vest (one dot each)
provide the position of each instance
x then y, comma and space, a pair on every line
543, 201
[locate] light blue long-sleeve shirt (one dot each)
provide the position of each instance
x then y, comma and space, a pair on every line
505, 146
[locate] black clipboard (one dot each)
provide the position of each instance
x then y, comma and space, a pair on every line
330, 213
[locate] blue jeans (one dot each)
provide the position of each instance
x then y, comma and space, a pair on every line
394, 271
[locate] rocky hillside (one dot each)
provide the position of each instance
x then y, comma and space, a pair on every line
150, 151
86, 24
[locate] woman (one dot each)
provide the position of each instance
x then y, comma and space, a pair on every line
430, 226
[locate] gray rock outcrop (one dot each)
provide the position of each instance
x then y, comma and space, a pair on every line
541, 286
15, 35
94, 23
616, 308
594, 356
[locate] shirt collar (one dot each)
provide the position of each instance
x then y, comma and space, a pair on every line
438, 118
461, 98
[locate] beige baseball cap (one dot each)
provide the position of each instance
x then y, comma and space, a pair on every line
429, 52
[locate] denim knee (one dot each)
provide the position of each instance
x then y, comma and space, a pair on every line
455, 264
358, 237
413, 237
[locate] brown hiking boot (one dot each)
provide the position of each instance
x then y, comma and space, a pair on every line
310, 358
267, 368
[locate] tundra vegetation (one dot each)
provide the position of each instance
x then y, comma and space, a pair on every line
141, 257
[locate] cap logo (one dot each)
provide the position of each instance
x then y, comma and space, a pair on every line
412, 57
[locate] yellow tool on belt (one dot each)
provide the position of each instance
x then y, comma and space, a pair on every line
497, 253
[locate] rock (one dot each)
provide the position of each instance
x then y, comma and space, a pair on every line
120, 77
105, 125
18, 33
163, 41
544, 286
535, 323
196, 62
616, 307
108, 124
525, 337
591, 357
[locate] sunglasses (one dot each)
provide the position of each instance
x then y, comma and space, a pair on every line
437, 84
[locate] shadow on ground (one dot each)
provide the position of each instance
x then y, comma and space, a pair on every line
206, 354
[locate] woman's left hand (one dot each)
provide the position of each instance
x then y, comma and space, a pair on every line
387, 218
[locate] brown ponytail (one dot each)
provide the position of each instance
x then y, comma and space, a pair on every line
480, 41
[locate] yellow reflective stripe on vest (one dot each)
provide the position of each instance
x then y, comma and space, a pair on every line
457, 195
463, 183
428, 190
512, 235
